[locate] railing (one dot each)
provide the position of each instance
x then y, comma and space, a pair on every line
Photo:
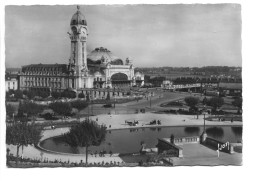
219, 145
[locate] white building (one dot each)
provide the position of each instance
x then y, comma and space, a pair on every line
11, 82
99, 69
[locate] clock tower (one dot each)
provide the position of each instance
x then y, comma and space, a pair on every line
78, 54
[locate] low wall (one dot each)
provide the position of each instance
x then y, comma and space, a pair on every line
166, 148
219, 145
194, 139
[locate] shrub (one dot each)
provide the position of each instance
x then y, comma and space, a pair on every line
61, 108
215, 102
81, 95
79, 104
29, 108
56, 95
68, 94
18, 94
191, 101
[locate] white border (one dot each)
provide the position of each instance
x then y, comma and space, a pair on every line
250, 49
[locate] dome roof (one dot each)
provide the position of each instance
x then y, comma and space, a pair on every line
78, 18
103, 55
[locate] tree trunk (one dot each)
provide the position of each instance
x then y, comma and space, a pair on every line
17, 153
22, 151
86, 155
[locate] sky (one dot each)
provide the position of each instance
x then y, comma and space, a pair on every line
178, 35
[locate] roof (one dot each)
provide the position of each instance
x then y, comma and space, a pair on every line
102, 54
224, 85
11, 76
78, 18
13, 70
46, 67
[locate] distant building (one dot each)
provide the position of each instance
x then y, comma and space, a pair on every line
99, 69
232, 89
11, 82
166, 84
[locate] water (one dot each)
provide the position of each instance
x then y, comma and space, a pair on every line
129, 140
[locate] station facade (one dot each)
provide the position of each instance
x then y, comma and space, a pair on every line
98, 70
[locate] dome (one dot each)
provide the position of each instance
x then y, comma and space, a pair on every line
104, 55
78, 18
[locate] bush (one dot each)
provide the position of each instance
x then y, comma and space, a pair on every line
81, 95
18, 94
215, 102
79, 104
68, 94
191, 101
61, 108
56, 95
10, 110
29, 108
107, 105
48, 116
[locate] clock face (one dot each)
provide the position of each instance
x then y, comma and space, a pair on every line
74, 30
83, 31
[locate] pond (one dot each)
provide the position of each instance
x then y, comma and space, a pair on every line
129, 140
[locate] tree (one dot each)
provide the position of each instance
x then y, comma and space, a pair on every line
108, 96
22, 134
29, 108
238, 103
61, 108
108, 100
87, 97
81, 95
204, 101
42, 94
85, 134
79, 104
10, 110
68, 94
25, 92
192, 102
18, 94
55, 95
31, 94
215, 102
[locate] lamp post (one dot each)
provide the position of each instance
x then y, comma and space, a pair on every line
115, 104
204, 134
91, 107
150, 101
204, 122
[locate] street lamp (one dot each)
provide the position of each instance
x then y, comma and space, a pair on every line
204, 134
150, 100
115, 104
